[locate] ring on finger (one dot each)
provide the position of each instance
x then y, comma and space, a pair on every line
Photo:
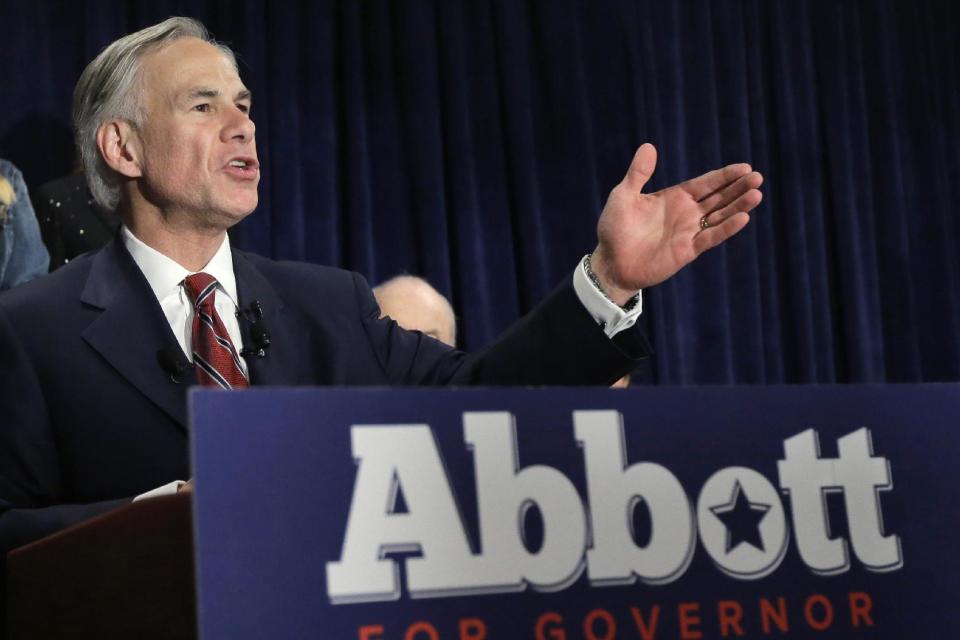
704, 223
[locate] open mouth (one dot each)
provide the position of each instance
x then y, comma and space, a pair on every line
243, 167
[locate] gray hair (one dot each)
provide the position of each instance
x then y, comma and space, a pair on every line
109, 88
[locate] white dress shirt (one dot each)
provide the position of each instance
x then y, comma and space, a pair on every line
166, 279
604, 311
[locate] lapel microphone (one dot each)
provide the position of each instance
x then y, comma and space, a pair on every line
257, 330
174, 362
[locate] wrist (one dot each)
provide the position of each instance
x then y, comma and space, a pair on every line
623, 298
598, 270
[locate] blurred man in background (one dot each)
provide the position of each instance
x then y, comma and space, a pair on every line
417, 306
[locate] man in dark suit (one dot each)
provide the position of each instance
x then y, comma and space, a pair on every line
95, 359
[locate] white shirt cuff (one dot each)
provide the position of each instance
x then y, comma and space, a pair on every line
611, 318
168, 489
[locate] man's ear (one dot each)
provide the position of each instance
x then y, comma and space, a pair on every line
120, 147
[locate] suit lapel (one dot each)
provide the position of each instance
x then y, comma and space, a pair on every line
132, 331
284, 361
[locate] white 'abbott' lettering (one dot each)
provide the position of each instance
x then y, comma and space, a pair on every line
391, 457
614, 490
860, 477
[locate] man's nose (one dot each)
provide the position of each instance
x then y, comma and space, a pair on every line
239, 127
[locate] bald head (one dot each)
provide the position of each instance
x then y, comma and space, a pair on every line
415, 305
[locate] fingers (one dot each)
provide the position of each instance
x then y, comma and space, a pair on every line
641, 167
724, 196
714, 235
702, 186
745, 203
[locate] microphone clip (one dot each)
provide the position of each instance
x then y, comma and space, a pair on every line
258, 332
174, 363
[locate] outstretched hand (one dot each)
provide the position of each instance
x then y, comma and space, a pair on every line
646, 238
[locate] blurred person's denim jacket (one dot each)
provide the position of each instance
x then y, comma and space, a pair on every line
22, 253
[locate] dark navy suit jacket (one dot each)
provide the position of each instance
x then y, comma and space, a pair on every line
89, 418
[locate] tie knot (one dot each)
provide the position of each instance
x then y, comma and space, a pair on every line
200, 287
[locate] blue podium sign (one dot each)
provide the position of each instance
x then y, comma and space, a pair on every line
557, 514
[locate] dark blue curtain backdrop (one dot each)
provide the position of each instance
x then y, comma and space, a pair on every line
474, 143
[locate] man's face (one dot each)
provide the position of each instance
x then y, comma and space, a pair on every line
198, 152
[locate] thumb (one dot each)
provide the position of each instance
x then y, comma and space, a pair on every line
642, 166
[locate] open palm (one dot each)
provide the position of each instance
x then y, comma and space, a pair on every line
646, 238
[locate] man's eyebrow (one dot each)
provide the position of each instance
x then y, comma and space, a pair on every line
201, 92
207, 92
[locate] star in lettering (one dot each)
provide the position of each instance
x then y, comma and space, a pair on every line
742, 519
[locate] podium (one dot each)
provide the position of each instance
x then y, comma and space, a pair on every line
125, 574
382, 514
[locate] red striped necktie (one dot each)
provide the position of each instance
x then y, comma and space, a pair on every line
214, 356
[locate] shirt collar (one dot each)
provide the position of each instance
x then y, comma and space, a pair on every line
165, 275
